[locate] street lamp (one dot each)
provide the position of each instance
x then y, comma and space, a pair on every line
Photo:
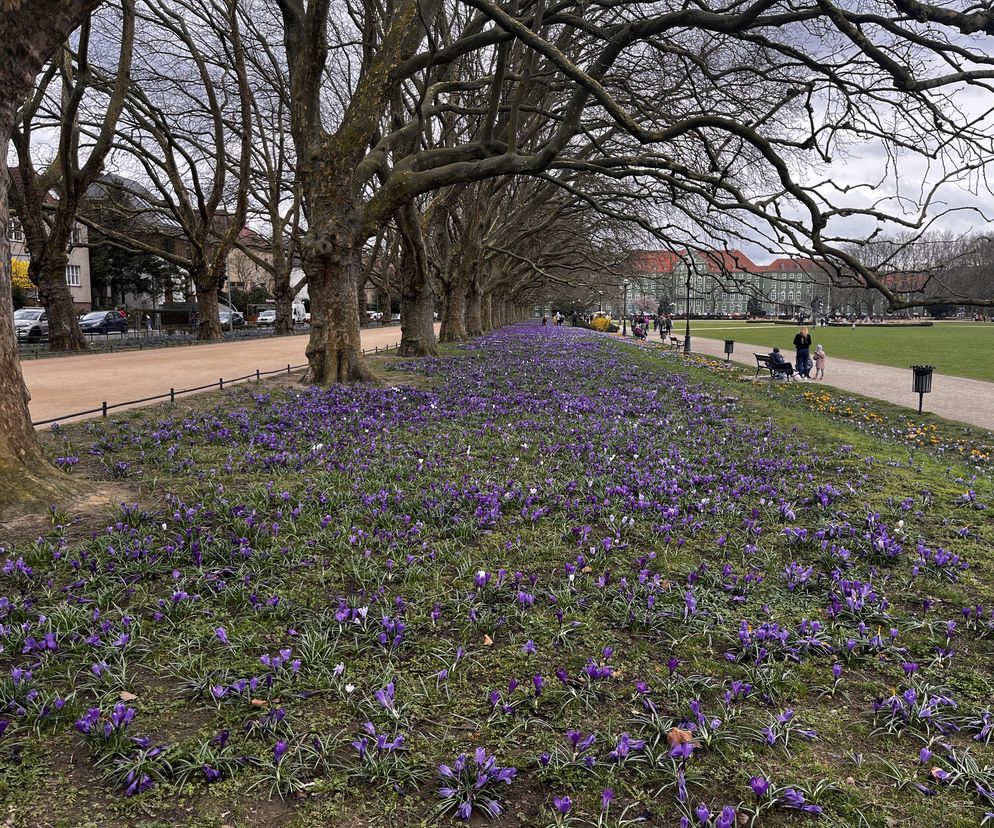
624, 311
686, 335
600, 302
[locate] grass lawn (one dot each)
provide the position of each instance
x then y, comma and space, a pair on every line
547, 579
960, 349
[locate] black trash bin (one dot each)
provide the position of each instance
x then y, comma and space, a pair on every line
922, 382
729, 347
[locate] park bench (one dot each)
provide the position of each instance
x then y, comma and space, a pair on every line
675, 343
766, 361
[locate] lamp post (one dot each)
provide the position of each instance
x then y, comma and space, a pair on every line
600, 302
686, 334
624, 310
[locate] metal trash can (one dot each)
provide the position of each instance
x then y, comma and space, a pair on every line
729, 347
922, 382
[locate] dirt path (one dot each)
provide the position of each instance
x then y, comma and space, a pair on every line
62, 385
954, 398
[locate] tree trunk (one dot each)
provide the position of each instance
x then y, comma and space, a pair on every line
417, 333
283, 294
25, 475
488, 313
333, 265
361, 301
474, 309
49, 273
454, 317
208, 309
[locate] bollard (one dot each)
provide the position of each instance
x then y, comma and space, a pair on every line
256, 374
220, 382
172, 395
288, 368
104, 407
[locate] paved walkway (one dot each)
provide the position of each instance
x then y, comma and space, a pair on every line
61, 385
953, 398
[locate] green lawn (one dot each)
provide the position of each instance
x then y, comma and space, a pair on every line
960, 349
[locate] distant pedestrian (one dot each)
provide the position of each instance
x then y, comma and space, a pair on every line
545, 321
819, 362
148, 323
669, 324
802, 359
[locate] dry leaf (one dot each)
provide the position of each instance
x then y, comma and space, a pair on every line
678, 736
258, 702
587, 568
125, 696
487, 641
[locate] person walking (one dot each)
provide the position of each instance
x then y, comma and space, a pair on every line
819, 362
802, 359
669, 324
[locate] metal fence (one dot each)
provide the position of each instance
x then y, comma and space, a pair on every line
173, 393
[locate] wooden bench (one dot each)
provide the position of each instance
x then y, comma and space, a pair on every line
766, 361
675, 343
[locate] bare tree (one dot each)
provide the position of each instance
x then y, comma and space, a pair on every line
47, 200
187, 109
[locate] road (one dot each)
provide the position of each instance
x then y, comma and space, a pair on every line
61, 385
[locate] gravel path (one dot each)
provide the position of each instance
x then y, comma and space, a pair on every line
953, 398
62, 385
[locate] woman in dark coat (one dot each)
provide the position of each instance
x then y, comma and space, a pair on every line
802, 362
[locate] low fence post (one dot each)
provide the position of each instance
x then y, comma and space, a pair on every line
172, 395
104, 408
256, 374
288, 368
220, 383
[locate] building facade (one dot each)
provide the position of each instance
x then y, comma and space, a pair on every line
78, 269
728, 282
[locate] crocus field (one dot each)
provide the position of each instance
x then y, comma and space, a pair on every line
545, 579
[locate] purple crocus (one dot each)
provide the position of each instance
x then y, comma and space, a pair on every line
760, 786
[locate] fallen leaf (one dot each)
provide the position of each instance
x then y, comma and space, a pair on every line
487, 641
678, 736
125, 696
258, 702
587, 568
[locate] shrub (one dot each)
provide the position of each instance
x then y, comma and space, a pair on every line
601, 323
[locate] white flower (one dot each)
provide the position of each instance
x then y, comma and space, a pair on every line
349, 688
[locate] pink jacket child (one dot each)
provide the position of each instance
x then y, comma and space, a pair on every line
819, 357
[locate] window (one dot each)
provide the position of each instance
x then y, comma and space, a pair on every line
72, 276
75, 235
16, 231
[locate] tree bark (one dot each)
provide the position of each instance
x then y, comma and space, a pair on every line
488, 313
283, 294
417, 333
333, 264
454, 318
474, 309
49, 273
361, 306
209, 313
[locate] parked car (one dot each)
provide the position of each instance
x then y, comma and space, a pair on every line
31, 324
104, 322
266, 319
374, 316
231, 318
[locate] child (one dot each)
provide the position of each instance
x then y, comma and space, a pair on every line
819, 362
